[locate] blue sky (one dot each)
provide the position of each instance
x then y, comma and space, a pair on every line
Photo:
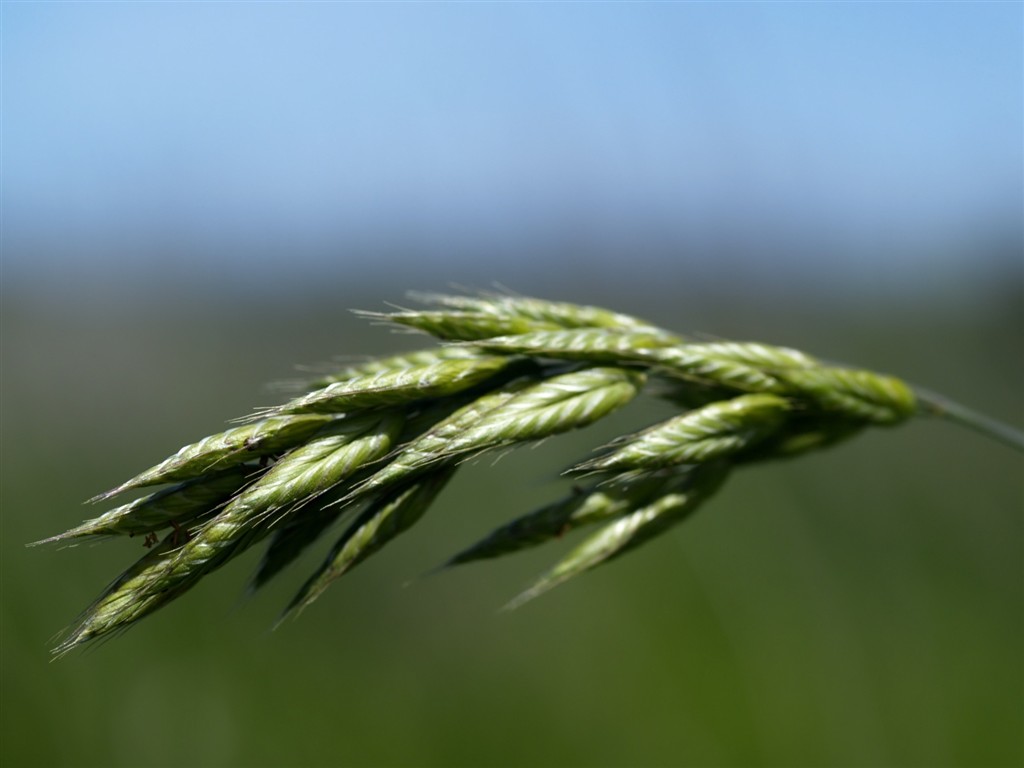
220, 127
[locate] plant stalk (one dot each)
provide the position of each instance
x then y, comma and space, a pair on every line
937, 405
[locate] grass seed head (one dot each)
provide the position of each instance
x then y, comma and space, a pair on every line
592, 345
378, 440
465, 326
558, 314
859, 395
715, 431
176, 505
227, 449
398, 386
394, 363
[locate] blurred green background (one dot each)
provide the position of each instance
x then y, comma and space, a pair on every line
195, 194
860, 607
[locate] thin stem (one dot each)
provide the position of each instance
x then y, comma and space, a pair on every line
937, 405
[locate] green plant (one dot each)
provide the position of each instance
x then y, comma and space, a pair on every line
376, 443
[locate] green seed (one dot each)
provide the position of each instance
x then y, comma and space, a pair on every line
593, 345
226, 449
861, 395
396, 387
518, 414
395, 363
712, 432
463, 326
560, 314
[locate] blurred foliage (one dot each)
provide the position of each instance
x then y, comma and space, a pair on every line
861, 607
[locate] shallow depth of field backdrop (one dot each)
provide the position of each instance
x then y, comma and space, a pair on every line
195, 194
